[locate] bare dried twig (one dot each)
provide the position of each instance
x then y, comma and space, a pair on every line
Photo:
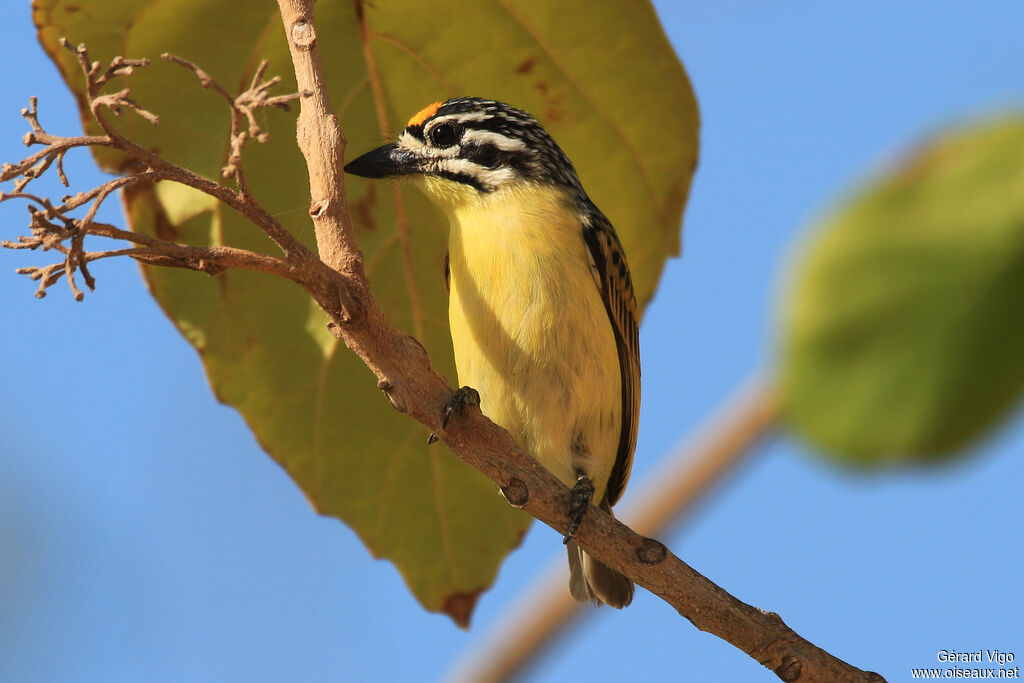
96, 78
243, 111
53, 226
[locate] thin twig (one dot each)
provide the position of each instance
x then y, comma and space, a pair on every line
94, 82
243, 111
53, 227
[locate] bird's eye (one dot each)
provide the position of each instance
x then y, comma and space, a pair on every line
444, 135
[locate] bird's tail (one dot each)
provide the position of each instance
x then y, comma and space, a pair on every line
592, 580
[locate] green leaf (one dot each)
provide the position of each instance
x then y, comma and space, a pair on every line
902, 337
600, 76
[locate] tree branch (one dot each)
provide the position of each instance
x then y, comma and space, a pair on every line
546, 612
410, 382
338, 283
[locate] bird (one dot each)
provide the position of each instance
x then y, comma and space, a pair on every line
542, 311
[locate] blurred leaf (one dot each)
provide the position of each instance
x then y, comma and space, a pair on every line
602, 78
903, 337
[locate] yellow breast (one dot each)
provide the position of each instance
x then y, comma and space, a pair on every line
530, 329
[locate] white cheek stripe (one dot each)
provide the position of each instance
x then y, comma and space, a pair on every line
489, 137
460, 166
487, 176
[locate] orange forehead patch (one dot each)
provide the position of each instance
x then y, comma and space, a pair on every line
424, 114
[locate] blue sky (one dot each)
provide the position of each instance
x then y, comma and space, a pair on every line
145, 536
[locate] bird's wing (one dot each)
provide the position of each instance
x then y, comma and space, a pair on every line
608, 263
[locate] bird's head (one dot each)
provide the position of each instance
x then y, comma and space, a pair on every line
469, 147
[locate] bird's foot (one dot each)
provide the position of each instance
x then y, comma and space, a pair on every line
580, 497
462, 400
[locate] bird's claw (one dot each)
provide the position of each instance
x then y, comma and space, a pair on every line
580, 498
461, 401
